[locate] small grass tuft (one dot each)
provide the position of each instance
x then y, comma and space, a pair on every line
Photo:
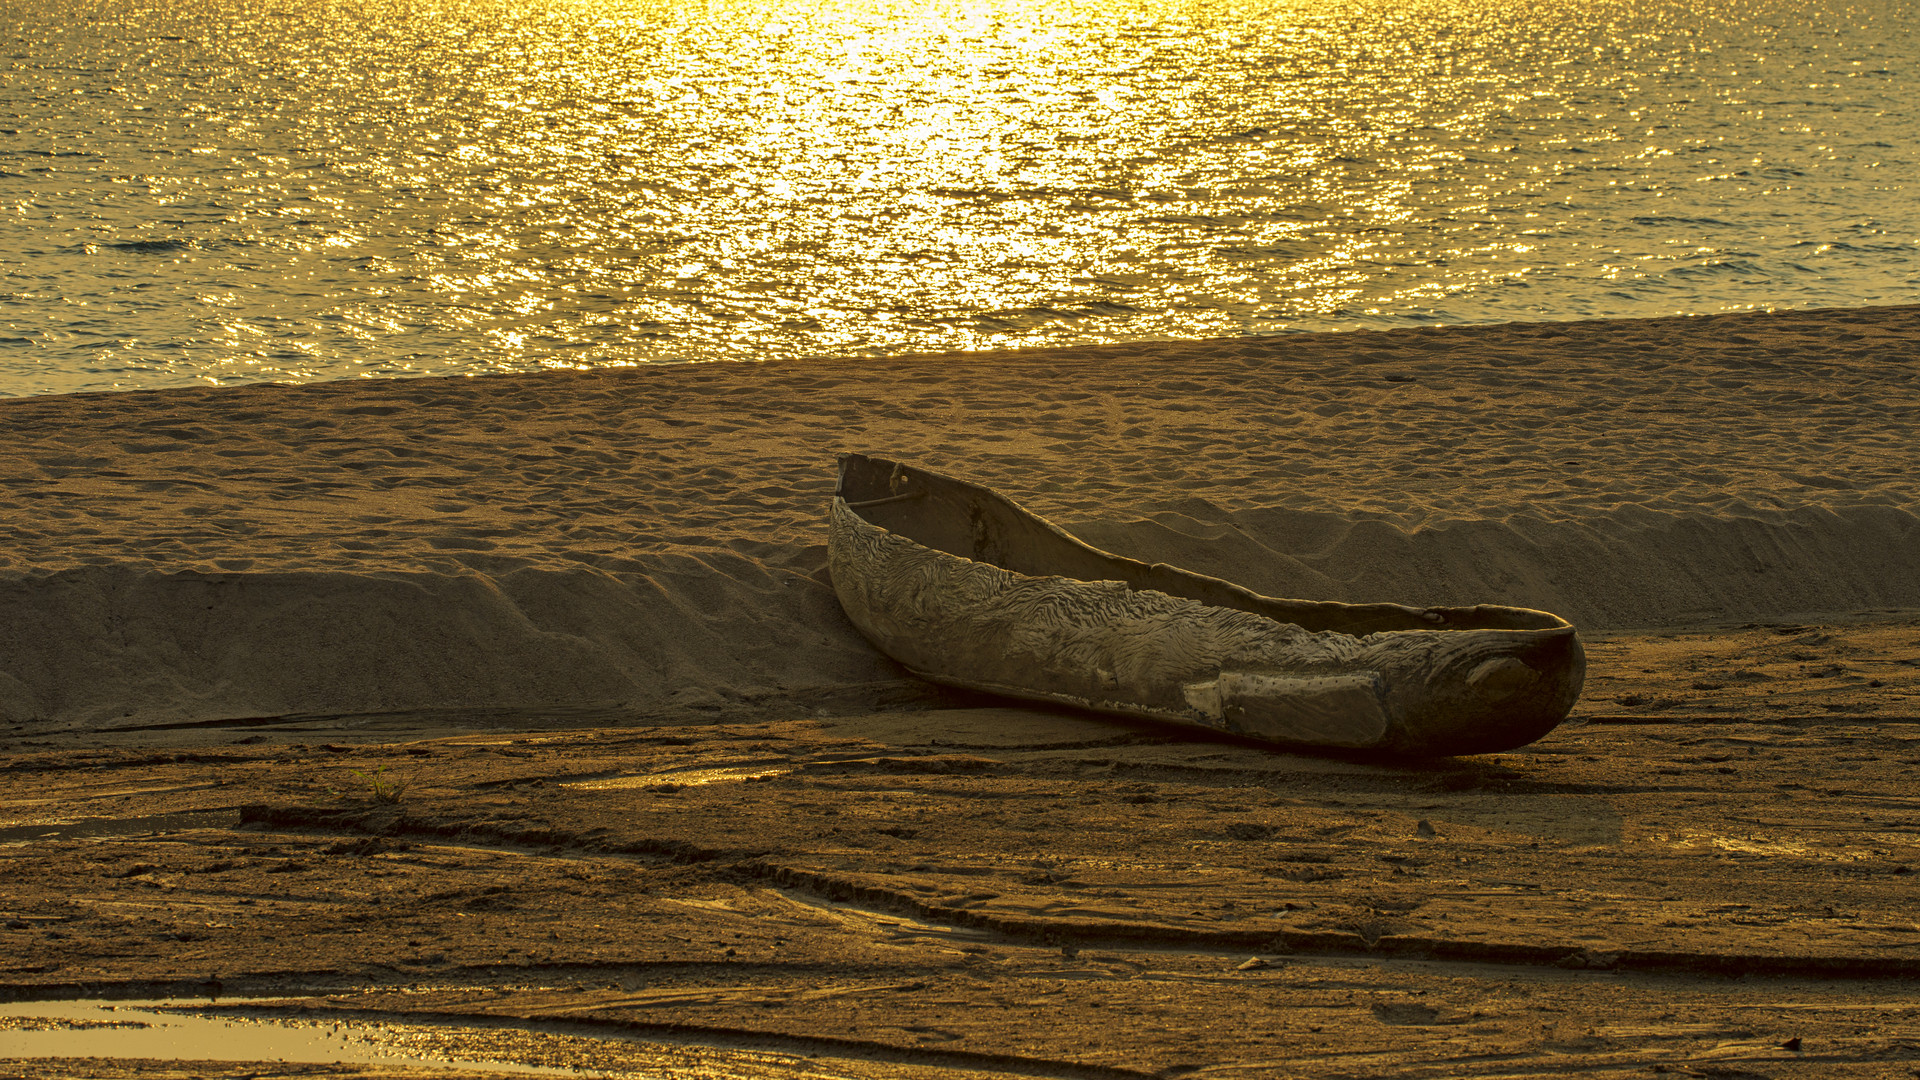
383, 788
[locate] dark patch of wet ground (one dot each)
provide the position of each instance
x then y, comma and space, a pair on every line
1712, 870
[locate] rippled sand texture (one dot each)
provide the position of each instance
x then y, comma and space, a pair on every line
240, 191
1006, 892
654, 538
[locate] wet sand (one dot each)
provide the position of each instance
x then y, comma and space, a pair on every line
1681, 877
656, 786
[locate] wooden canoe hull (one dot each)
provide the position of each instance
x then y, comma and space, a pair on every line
965, 588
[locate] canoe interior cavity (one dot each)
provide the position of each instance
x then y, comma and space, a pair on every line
978, 523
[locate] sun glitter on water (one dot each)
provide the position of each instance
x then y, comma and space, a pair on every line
297, 189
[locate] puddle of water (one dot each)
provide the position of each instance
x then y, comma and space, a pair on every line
158, 1029
186, 1031
82, 828
1745, 845
1757, 846
679, 777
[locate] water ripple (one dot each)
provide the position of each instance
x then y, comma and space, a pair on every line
233, 190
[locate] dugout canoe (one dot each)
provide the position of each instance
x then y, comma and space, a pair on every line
967, 589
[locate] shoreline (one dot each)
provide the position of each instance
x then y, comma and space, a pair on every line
651, 538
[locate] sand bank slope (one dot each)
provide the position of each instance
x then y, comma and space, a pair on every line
646, 536
117, 645
1624, 568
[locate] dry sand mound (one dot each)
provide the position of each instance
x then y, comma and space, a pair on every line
114, 646
1627, 568
651, 538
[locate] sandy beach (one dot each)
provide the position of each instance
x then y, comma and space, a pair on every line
659, 786
643, 538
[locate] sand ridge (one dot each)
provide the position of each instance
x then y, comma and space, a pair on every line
1556, 420
622, 537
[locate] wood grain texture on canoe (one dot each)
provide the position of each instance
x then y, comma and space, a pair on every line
967, 589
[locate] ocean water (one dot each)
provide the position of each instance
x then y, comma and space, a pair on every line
197, 191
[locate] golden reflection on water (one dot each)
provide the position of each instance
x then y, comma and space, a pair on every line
317, 188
